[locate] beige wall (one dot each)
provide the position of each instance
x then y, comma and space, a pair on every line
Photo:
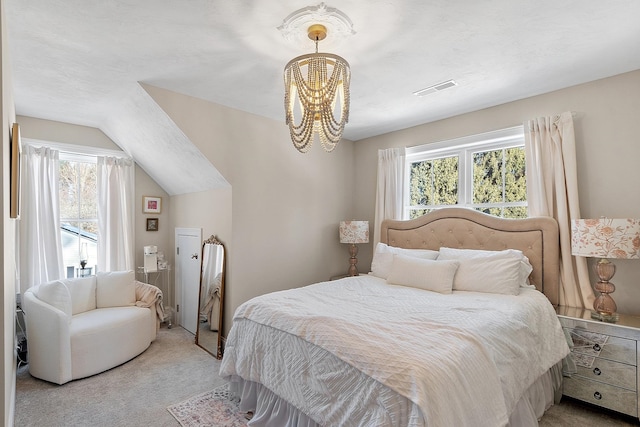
146, 186
209, 211
285, 206
47, 130
607, 144
8, 237
213, 214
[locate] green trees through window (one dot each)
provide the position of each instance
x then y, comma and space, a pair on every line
433, 183
499, 182
486, 173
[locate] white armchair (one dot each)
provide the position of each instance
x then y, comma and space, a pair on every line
84, 326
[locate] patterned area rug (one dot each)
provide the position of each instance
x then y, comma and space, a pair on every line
210, 409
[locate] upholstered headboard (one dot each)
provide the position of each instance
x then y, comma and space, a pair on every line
536, 237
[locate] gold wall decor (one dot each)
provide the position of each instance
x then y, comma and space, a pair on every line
15, 147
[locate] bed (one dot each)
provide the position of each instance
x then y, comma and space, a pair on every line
422, 340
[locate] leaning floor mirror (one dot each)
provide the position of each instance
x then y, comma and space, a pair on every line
211, 304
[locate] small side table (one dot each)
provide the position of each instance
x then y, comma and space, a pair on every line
342, 276
161, 279
85, 272
606, 357
78, 272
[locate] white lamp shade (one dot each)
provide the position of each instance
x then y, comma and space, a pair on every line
354, 232
606, 238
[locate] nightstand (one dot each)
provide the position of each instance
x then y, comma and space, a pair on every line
341, 276
606, 357
338, 277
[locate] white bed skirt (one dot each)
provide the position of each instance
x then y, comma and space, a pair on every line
269, 410
272, 411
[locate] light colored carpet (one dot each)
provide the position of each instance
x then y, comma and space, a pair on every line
171, 371
137, 393
573, 413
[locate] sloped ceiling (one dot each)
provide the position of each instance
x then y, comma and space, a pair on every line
82, 62
145, 131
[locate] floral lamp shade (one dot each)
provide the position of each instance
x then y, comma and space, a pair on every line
354, 232
606, 238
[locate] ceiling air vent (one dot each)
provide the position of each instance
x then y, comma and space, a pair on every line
435, 88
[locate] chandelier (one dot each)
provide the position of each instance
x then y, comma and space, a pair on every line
319, 82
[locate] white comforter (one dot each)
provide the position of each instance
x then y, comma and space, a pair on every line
460, 359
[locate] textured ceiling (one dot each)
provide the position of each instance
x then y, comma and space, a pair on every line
80, 62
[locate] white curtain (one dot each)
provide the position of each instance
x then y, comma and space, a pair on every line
116, 213
40, 221
552, 190
389, 194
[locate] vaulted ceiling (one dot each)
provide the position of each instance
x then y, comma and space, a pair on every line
82, 62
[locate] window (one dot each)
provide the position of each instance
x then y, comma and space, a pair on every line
78, 209
484, 172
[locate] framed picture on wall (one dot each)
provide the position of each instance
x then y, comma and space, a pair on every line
151, 204
14, 167
152, 224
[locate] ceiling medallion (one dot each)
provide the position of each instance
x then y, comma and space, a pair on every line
294, 27
316, 85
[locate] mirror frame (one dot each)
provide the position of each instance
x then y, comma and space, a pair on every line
213, 240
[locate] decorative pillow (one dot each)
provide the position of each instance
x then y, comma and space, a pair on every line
497, 275
115, 289
383, 258
475, 253
83, 293
430, 275
525, 265
56, 294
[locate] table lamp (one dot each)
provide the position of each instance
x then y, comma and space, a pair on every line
354, 232
605, 238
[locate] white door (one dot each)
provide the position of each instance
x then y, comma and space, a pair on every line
188, 265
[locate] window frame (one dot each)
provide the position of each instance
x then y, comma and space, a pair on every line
83, 238
77, 153
464, 148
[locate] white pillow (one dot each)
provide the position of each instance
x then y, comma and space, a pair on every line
497, 275
475, 253
83, 293
525, 265
430, 275
383, 258
56, 294
115, 289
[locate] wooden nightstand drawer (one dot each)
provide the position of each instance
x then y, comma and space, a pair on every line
606, 371
603, 346
607, 396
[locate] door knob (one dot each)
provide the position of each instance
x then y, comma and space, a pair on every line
194, 256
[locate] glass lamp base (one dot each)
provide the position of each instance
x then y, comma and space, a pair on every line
603, 317
604, 307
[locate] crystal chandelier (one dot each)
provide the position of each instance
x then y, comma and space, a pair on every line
320, 84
